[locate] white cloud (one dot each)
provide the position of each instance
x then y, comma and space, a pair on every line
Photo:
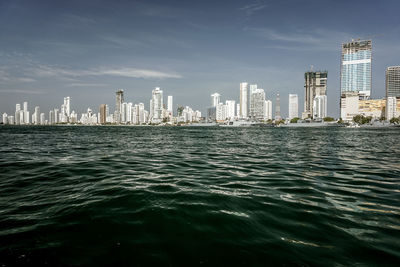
252, 8
87, 85
48, 71
300, 40
18, 91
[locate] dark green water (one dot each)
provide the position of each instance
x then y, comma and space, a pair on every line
123, 196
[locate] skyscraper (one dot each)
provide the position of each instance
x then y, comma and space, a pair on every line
26, 113
51, 117
320, 107
391, 107
244, 87
157, 105
37, 115
230, 109
293, 106
67, 106
393, 81
103, 114
170, 106
315, 85
215, 99
257, 101
278, 109
17, 113
119, 99
268, 110
355, 72
5, 118
42, 119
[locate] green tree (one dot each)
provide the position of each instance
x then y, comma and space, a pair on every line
360, 119
329, 119
294, 120
395, 120
180, 110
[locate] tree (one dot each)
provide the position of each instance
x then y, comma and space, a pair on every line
329, 119
294, 120
395, 120
180, 110
360, 119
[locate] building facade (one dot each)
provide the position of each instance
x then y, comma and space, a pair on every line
215, 99
119, 99
293, 106
157, 105
257, 101
356, 71
230, 109
315, 85
244, 87
393, 81
320, 107
278, 108
391, 107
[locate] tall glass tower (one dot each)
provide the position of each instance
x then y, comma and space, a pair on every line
355, 73
393, 81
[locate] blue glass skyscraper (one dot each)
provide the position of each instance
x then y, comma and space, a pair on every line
356, 68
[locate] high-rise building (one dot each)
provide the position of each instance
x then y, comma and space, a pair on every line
355, 73
293, 106
119, 99
124, 112
37, 115
278, 108
349, 105
257, 101
391, 107
51, 117
220, 112
42, 119
103, 114
157, 105
215, 99
5, 118
26, 113
393, 81
315, 84
230, 109
129, 107
320, 107
27, 117
170, 106
17, 113
244, 87
268, 110
56, 115
10, 120
67, 106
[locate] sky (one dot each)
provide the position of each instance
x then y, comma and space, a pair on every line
191, 49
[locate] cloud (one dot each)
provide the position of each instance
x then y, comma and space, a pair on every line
299, 40
49, 71
18, 91
6, 77
87, 85
252, 8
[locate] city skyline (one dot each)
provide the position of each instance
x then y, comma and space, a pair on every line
85, 51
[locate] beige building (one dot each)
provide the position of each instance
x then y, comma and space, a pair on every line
349, 105
372, 107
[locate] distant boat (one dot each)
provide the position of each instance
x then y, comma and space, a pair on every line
353, 126
238, 124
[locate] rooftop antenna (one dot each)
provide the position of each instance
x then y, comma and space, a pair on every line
311, 68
